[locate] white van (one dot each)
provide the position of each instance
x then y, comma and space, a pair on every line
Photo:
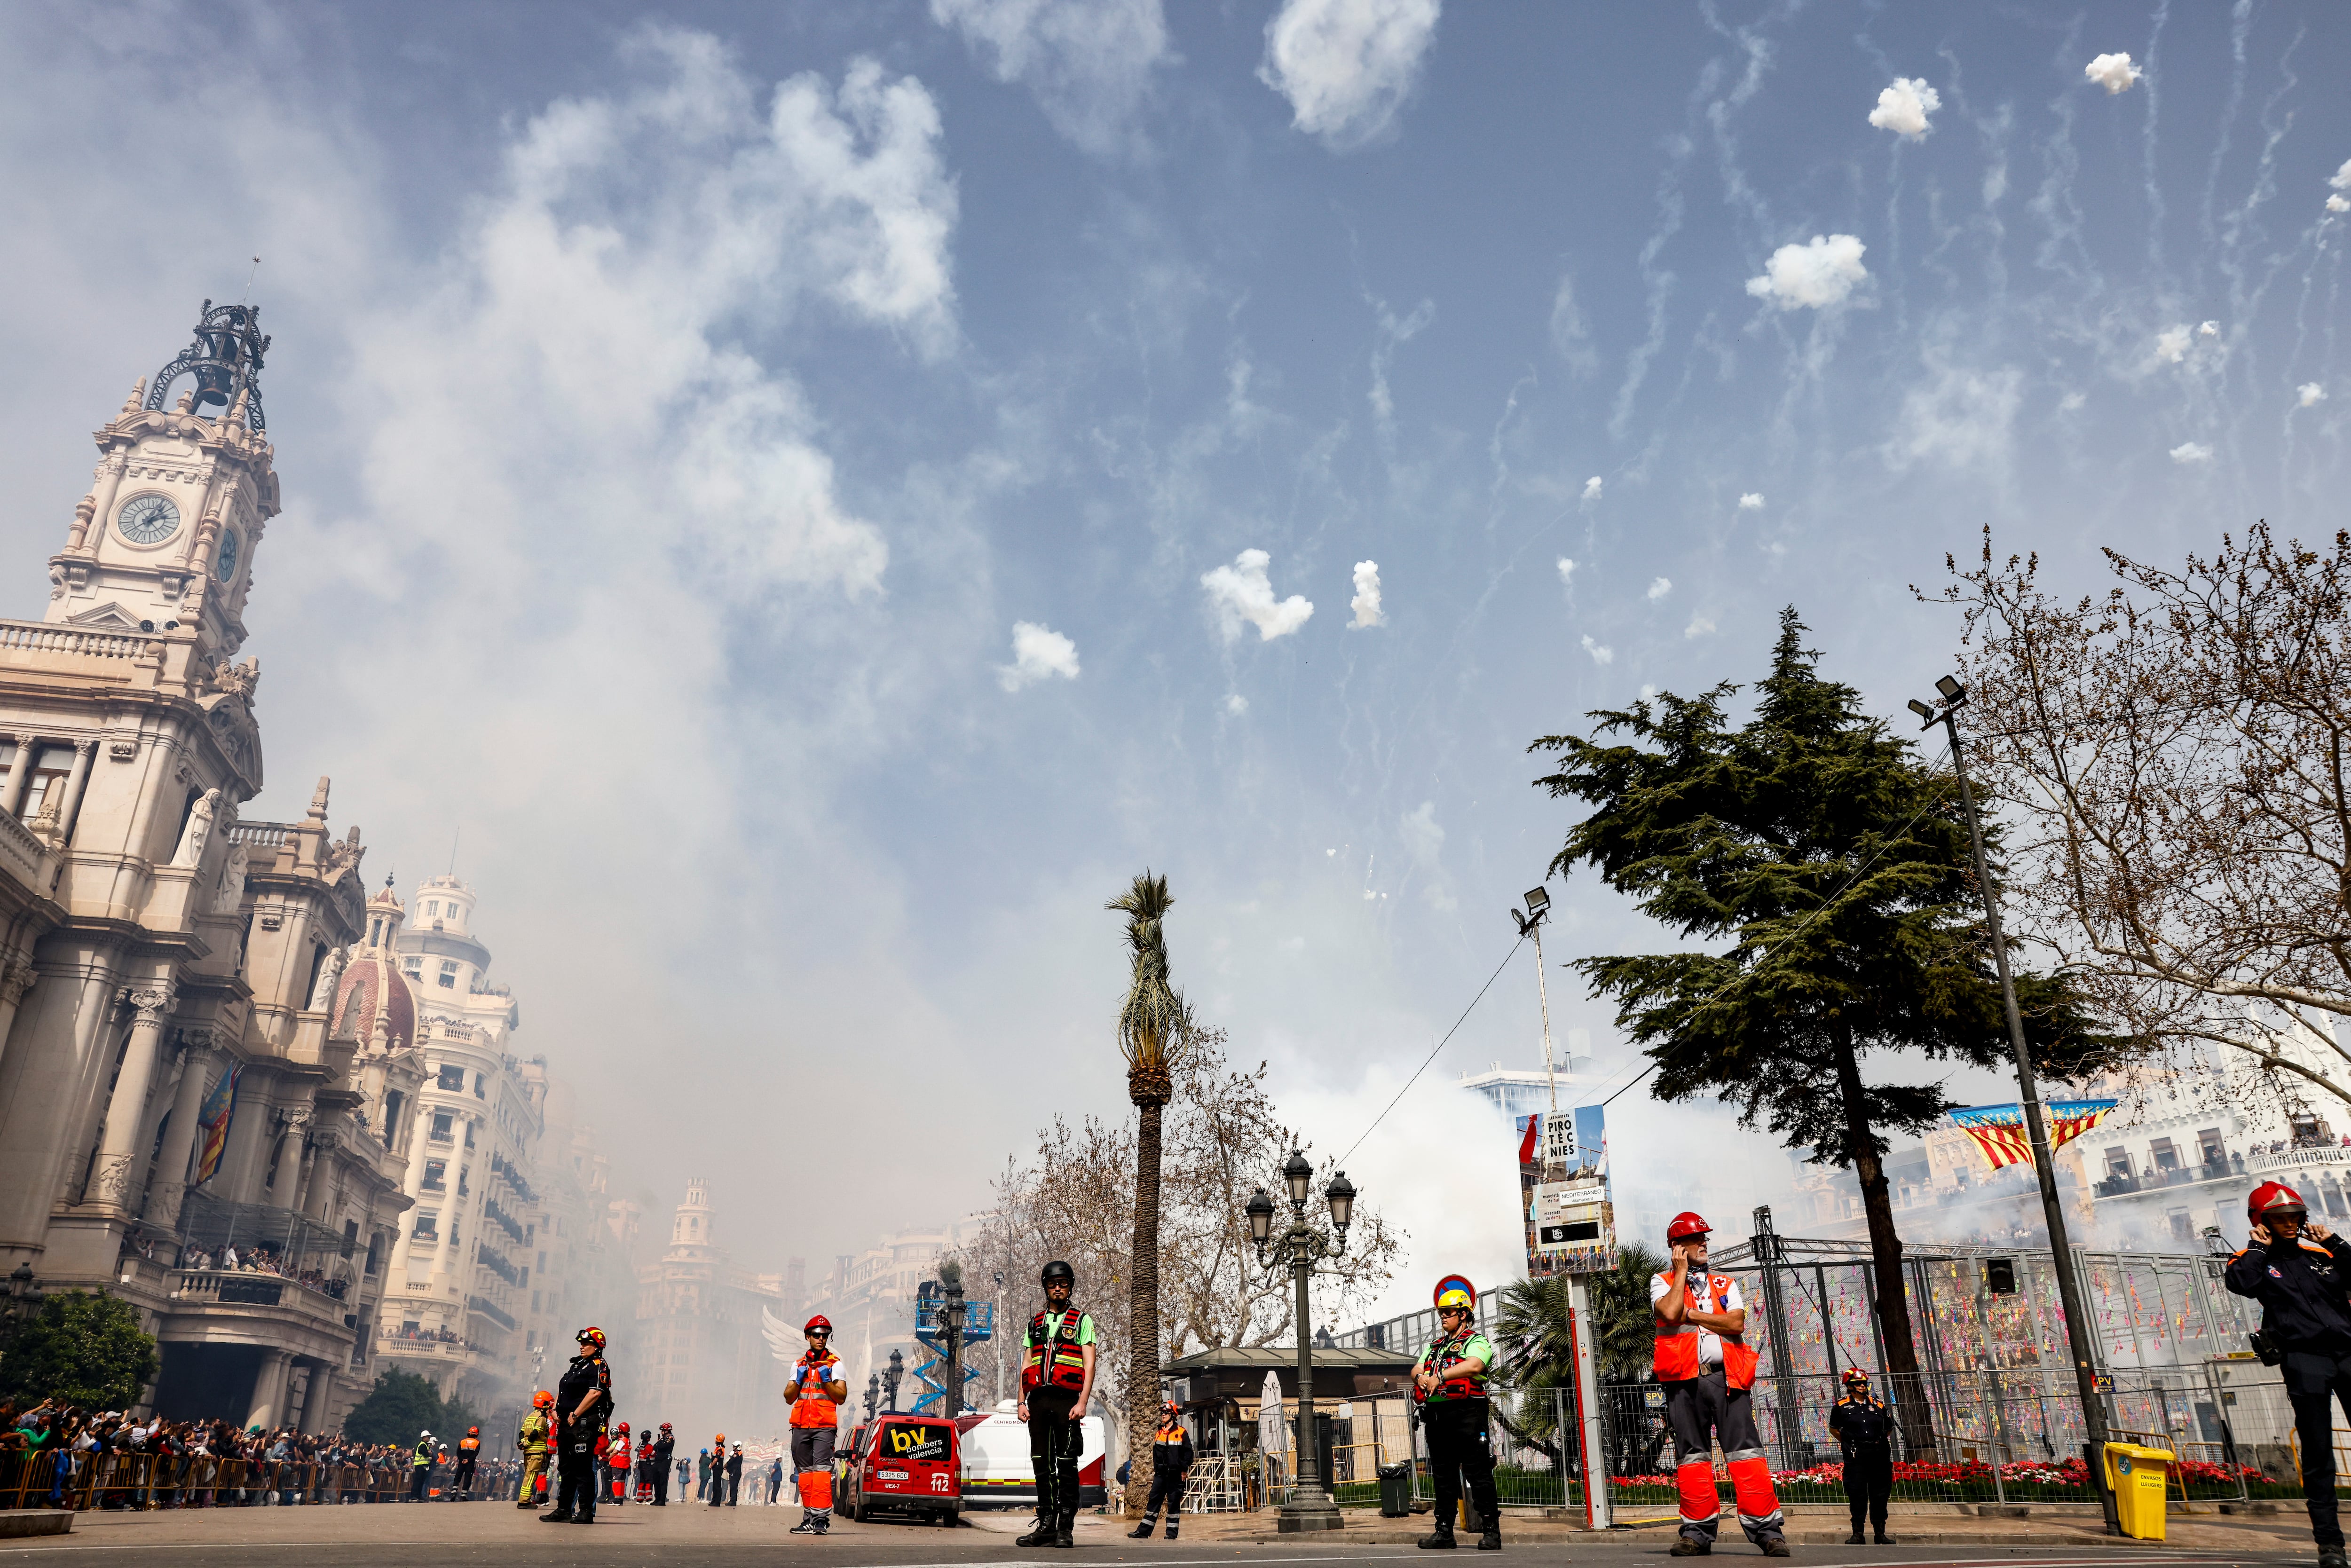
996, 1469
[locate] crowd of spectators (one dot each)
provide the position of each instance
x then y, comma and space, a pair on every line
259, 1260
57, 1455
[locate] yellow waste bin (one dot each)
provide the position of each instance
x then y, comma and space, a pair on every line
2138, 1476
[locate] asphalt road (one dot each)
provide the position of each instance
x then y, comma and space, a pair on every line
410, 1536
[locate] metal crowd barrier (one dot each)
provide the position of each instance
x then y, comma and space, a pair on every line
82, 1481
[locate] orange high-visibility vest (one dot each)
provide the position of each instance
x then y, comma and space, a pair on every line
1674, 1355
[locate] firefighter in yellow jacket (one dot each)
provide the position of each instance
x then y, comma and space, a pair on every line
532, 1441
1708, 1371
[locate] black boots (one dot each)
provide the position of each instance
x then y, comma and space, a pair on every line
1689, 1547
1492, 1540
556, 1516
1854, 1539
1066, 1535
1440, 1539
1040, 1536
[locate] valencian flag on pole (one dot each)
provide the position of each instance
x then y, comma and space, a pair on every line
218, 1107
2000, 1130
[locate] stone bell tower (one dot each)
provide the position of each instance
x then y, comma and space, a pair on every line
164, 543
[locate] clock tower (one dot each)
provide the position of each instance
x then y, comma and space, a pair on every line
164, 543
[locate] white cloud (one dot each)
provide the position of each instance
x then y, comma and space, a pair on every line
2208, 329
2070, 402
1566, 572
1236, 705
2338, 204
2311, 393
1699, 626
1241, 592
1346, 66
1038, 653
1591, 488
2171, 344
1659, 588
1088, 63
2114, 72
1600, 653
2341, 178
1751, 502
1903, 107
1960, 418
1818, 275
2191, 452
1366, 603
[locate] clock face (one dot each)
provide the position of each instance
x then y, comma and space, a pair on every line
148, 519
224, 561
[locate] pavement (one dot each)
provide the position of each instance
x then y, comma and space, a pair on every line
401, 1535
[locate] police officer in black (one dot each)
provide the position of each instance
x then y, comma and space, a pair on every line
1864, 1429
2300, 1275
583, 1403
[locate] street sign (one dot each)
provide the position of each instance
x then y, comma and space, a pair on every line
1573, 1226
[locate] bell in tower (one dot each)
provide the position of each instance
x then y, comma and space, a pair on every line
224, 358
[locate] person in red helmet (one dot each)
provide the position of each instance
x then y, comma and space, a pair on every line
537, 1432
664, 1446
1709, 1370
817, 1388
2300, 1273
583, 1403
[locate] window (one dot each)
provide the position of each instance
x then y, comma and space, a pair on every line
392, 1100
413, 968
480, 1085
375, 1245
45, 782
431, 909
462, 1172
453, 1079
436, 1176
443, 1126
449, 974
2208, 1145
2167, 1157
469, 1134
542, 1262
428, 1226
2119, 1162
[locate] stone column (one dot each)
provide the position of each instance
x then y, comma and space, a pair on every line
290, 1159
117, 1151
12, 793
269, 1389
14, 981
318, 1195
247, 1131
171, 1189
76, 782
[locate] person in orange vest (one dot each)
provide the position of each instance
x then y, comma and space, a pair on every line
1709, 1370
469, 1450
817, 1388
1057, 1379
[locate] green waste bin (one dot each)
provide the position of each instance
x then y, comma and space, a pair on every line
2138, 1476
1396, 1490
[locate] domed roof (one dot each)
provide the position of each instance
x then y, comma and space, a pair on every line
371, 988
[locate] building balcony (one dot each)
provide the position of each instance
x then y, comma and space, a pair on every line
199, 1289
2302, 1158
2165, 1180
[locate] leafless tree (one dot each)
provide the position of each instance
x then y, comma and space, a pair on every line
2172, 762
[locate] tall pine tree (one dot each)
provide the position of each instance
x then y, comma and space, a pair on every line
1828, 867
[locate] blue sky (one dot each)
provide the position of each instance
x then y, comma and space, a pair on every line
682, 413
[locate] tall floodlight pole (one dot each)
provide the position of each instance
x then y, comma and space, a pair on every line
2079, 1330
1579, 1287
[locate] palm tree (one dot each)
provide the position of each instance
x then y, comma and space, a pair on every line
1537, 1348
1155, 1029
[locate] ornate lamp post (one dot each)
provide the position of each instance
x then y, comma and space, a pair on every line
873, 1393
1311, 1505
951, 1336
890, 1378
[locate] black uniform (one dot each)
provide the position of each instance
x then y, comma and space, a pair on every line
1171, 1459
662, 1447
575, 1441
1864, 1429
2302, 1289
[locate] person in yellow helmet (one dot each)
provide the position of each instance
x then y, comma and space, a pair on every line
1448, 1386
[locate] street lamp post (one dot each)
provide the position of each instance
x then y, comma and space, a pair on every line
2078, 1328
873, 1393
996, 1342
1310, 1506
951, 1335
889, 1379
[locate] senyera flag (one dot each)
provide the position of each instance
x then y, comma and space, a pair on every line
219, 1106
2000, 1130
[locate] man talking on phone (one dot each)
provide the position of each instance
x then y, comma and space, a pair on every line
2300, 1273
